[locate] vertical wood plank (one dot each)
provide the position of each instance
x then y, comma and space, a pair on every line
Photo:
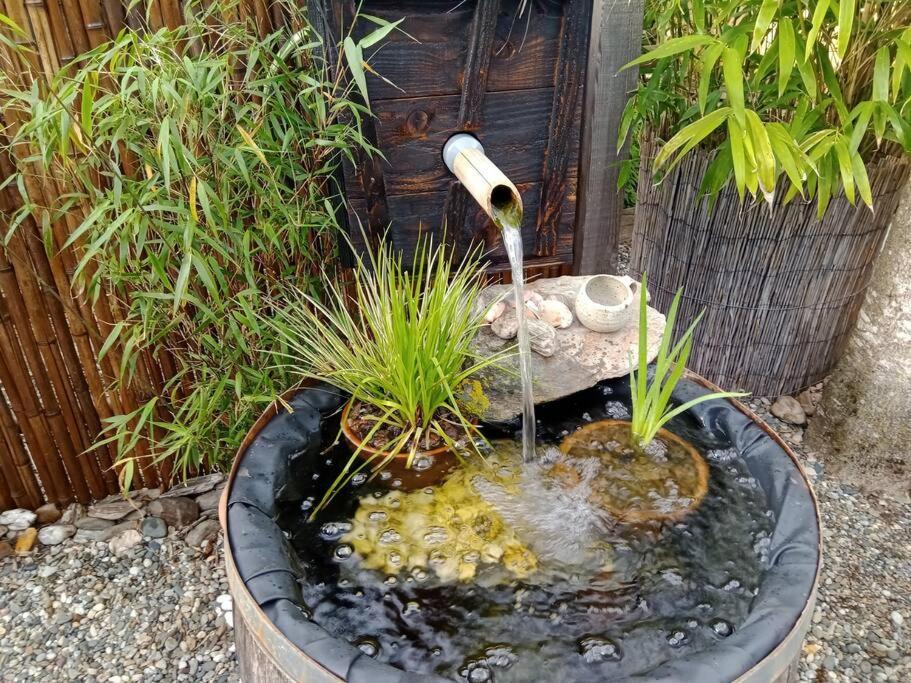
474, 85
570, 79
616, 39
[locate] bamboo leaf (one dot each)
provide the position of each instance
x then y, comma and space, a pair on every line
192, 200
819, 16
862, 179
709, 60
738, 156
787, 53
88, 102
881, 71
180, 286
733, 81
763, 20
846, 11
379, 34
692, 134
674, 46
764, 155
845, 168
355, 60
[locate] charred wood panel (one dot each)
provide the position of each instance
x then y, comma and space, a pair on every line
516, 82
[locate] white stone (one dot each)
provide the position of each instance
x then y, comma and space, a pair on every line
788, 409
495, 311
542, 338
127, 540
506, 326
55, 534
897, 618
18, 519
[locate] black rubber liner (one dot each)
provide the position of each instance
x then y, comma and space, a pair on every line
281, 453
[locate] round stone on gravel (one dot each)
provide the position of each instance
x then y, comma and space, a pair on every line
18, 519
154, 527
55, 534
204, 532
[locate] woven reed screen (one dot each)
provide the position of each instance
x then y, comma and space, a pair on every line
55, 392
781, 289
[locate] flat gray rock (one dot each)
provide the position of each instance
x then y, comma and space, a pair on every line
582, 358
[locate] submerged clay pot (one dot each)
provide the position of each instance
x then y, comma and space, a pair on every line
663, 482
439, 461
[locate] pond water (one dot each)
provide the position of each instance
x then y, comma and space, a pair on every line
505, 573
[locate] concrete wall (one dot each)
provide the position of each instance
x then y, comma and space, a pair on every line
864, 425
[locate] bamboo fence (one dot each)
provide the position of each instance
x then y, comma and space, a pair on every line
781, 289
54, 391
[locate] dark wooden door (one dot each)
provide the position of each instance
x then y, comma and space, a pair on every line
515, 81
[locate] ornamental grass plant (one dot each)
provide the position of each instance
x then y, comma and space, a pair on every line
398, 340
651, 396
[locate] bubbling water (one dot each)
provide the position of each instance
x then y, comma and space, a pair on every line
601, 600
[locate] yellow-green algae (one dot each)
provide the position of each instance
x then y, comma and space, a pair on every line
448, 529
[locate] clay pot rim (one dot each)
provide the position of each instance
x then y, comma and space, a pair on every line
366, 450
638, 516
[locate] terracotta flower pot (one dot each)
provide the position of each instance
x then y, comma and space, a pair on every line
634, 484
432, 465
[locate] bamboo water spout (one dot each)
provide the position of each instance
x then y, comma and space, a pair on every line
497, 195
464, 155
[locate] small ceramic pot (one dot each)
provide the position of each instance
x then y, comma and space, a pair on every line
607, 303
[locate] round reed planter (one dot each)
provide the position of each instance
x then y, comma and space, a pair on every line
781, 288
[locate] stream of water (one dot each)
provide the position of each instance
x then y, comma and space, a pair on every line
512, 241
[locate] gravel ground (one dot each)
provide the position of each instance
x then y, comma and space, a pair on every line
862, 621
157, 612
75, 612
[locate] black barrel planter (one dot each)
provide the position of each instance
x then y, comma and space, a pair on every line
277, 642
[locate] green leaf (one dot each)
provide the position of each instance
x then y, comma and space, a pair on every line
88, 101
862, 179
180, 287
819, 16
709, 59
846, 12
765, 157
738, 156
672, 47
112, 338
379, 34
881, 72
699, 15
355, 59
787, 54
787, 154
733, 82
692, 135
845, 168
763, 21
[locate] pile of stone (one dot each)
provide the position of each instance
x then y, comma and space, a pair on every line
123, 522
568, 357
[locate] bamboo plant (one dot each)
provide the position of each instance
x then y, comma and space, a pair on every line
198, 164
792, 96
651, 396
